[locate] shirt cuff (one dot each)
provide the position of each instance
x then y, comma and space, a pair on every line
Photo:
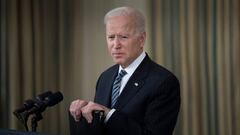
109, 115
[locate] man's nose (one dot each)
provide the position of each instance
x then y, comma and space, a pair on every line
117, 42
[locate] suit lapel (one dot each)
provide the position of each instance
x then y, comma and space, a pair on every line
134, 84
107, 95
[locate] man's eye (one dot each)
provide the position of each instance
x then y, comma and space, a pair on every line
111, 37
123, 37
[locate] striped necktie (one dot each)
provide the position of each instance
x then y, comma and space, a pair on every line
116, 87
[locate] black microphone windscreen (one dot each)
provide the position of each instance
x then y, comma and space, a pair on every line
54, 98
43, 95
28, 103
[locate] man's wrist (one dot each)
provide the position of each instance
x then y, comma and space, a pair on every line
108, 115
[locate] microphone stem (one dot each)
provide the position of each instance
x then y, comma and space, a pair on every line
37, 117
26, 126
34, 124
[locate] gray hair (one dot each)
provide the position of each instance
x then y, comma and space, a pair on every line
128, 11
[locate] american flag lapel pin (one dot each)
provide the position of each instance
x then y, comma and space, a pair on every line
136, 84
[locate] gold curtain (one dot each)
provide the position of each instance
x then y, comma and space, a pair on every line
60, 45
56, 45
199, 41
31, 58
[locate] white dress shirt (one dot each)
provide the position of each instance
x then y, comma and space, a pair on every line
130, 70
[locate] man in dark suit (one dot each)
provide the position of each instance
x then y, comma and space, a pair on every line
138, 96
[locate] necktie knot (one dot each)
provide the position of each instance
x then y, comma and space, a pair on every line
122, 73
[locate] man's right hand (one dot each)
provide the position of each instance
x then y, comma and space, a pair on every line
76, 107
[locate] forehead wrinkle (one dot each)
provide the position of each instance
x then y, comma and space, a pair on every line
127, 28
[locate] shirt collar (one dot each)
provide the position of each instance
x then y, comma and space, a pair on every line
133, 66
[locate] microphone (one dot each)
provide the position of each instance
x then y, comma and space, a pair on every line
42, 96
49, 101
36, 106
28, 104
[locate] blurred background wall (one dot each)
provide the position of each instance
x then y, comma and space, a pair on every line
60, 45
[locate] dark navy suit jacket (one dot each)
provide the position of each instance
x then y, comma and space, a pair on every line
148, 105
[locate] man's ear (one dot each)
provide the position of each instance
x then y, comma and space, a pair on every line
142, 38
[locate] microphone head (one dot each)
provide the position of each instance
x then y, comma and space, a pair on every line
43, 95
54, 99
28, 103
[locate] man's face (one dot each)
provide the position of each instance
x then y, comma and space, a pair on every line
125, 43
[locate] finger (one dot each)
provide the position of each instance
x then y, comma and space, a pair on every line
88, 109
73, 111
88, 117
72, 108
75, 108
86, 113
77, 115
